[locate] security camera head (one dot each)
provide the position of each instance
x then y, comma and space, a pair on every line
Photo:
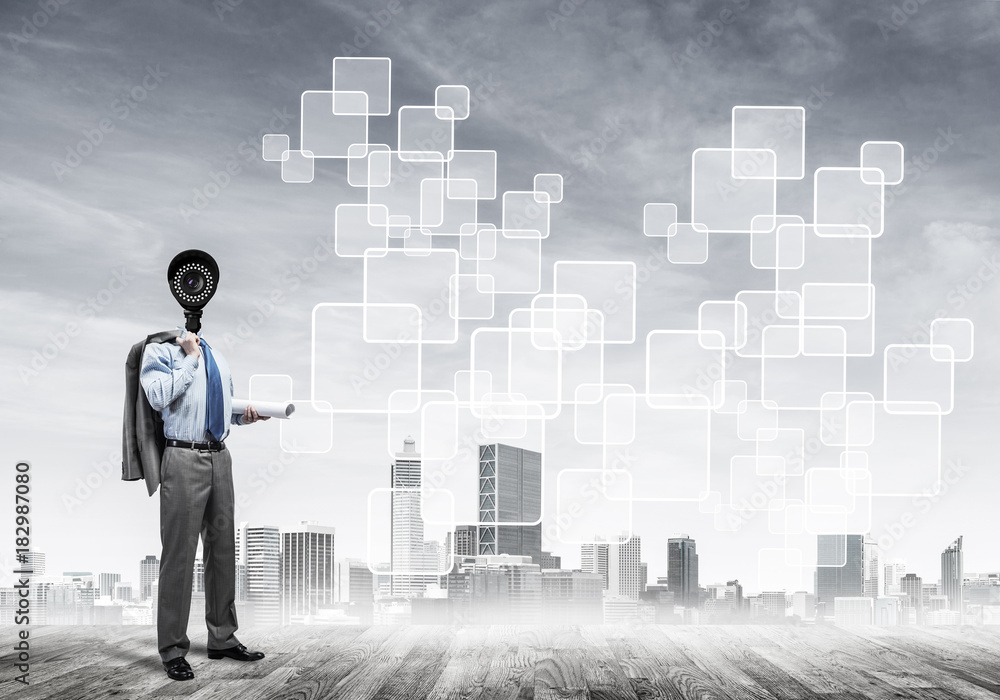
193, 277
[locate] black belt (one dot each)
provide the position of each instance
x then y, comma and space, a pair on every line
209, 445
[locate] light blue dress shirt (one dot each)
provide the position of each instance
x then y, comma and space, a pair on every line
175, 384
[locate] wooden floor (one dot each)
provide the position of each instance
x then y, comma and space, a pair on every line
732, 662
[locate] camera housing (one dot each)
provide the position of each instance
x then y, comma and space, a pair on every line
193, 276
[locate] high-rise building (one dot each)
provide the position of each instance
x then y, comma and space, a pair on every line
464, 541
623, 567
853, 610
259, 552
912, 586
307, 573
149, 571
198, 580
594, 559
804, 605
550, 561
870, 563
33, 560
106, 584
775, 604
840, 571
510, 490
571, 597
643, 576
407, 534
894, 571
951, 575
682, 570
734, 593
354, 586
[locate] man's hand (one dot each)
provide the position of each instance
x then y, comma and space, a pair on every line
190, 343
250, 415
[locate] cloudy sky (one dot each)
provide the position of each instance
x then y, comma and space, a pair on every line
614, 96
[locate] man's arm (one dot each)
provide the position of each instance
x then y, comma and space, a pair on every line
236, 418
248, 416
161, 382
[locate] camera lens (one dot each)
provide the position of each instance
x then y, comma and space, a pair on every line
193, 281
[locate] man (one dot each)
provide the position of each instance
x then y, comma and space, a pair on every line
191, 386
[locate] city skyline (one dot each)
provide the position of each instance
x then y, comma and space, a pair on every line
610, 98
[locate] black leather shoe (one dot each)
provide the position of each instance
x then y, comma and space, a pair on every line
178, 669
238, 652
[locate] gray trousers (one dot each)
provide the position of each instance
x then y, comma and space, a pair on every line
196, 497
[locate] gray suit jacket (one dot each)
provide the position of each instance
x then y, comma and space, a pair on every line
142, 429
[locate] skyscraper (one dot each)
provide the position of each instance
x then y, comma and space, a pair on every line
894, 571
407, 534
869, 555
912, 586
259, 552
149, 571
623, 567
510, 490
840, 569
106, 583
594, 559
464, 541
682, 570
951, 575
307, 573
198, 580
33, 560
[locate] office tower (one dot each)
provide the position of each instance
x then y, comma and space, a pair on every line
510, 490
149, 571
34, 561
894, 571
839, 570
550, 561
734, 592
774, 604
464, 541
198, 580
594, 559
353, 582
306, 571
643, 576
259, 551
572, 597
804, 605
106, 583
870, 564
912, 586
951, 575
623, 567
407, 534
853, 610
496, 589
354, 587
123, 591
682, 570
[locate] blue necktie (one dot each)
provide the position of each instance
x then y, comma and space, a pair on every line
215, 420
